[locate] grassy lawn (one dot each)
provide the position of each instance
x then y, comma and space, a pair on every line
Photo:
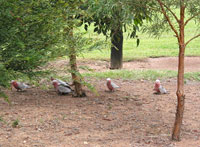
141, 74
149, 46
164, 46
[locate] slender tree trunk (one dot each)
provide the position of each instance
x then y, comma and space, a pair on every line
180, 97
180, 81
78, 92
116, 49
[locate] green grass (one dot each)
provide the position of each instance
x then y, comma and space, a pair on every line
132, 74
165, 46
141, 74
149, 46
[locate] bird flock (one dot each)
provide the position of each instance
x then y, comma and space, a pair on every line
63, 88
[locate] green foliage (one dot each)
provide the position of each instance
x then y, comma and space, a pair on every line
83, 43
15, 123
5, 76
90, 87
115, 15
29, 33
3, 95
158, 23
164, 46
84, 82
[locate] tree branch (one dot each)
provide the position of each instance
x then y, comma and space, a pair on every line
186, 22
192, 39
168, 19
172, 12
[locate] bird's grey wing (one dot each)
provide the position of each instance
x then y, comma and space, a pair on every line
25, 85
114, 85
63, 83
162, 90
22, 85
63, 89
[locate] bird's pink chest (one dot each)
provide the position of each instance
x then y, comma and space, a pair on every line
55, 85
110, 87
16, 85
156, 88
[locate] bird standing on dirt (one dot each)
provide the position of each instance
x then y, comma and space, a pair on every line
62, 82
19, 85
158, 88
111, 85
61, 88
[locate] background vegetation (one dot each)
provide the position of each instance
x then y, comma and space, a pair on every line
150, 46
29, 39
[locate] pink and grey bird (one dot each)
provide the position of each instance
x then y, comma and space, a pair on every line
158, 88
61, 88
61, 82
19, 85
111, 85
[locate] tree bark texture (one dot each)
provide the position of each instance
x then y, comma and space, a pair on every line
116, 49
78, 91
182, 45
180, 79
180, 97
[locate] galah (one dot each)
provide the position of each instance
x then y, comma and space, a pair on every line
111, 85
60, 88
61, 82
19, 85
158, 88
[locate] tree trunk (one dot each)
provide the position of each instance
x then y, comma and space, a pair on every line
180, 80
116, 49
180, 97
78, 91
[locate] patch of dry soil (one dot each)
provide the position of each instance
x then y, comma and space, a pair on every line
192, 64
132, 116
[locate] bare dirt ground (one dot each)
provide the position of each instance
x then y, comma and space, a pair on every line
192, 64
132, 116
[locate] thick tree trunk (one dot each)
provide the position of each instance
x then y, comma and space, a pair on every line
78, 92
116, 49
180, 80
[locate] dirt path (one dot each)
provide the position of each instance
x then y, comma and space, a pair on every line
192, 64
130, 117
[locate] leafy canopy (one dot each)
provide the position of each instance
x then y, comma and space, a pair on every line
114, 15
28, 34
